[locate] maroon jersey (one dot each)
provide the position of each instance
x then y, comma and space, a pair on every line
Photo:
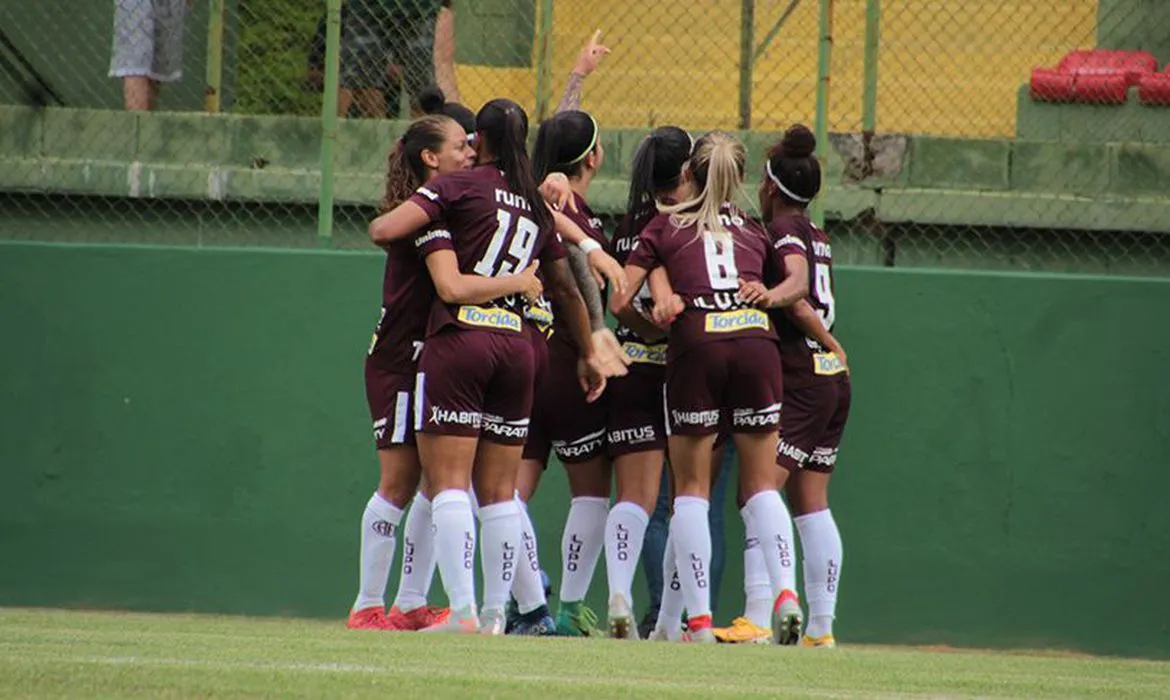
705, 272
493, 233
407, 297
804, 359
591, 225
624, 240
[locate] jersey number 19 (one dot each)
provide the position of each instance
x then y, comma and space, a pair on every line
523, 240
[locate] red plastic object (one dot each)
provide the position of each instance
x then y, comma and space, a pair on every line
1154, 89
1048, 85
1101, 89
1131, 64
1093, 76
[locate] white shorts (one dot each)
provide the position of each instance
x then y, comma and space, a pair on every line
148, 39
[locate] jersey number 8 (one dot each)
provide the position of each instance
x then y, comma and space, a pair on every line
523, 240
720, 254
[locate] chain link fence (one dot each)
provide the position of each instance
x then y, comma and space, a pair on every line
944, 147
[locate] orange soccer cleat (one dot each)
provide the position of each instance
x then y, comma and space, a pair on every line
372, 618
417, 619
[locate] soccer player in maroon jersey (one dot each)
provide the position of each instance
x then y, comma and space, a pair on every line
816, 377
475, 382
636, 430
563, 421
431, 146
723, 365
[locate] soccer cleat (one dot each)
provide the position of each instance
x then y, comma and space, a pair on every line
699, 630
372, 618
492, 622
825, 642
462, 621
742, 631
787, 619
648, 624
417, 619
537, 623
511, 616
575, 619
658, 634
621, 618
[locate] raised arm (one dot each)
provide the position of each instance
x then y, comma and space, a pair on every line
587, 62
403, 221
454, 287
444, 53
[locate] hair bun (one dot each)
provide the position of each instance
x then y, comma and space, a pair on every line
798, 142
432, 99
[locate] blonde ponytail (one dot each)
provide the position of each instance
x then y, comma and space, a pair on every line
717, 166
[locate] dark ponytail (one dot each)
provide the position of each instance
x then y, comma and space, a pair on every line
793, 170
562, 144
503, 126
405, 170
657, 169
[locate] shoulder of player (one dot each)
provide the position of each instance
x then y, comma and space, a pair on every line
790, 230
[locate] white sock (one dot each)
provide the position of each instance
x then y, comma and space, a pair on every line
757, 587
379, 531
499, 551
670, 607
455, 546
418, 556
692, 548
820, 541
769, 519
581, 546
625, 529
528, 588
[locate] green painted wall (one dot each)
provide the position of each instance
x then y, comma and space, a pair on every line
184, 429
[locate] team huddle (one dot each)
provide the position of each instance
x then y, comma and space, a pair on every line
492, 353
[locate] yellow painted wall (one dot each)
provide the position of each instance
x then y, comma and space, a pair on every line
945, 68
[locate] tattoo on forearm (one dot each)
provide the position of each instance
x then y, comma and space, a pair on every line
572, 98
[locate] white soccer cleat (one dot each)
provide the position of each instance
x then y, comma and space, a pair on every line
621, 618
492, 622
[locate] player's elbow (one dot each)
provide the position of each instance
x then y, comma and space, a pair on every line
380, 231
449, 290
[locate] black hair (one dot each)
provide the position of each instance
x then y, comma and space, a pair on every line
432, 101
405, 170
793, 164
563, 142
657, 168
503, 127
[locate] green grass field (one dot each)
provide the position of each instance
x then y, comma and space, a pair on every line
50, 653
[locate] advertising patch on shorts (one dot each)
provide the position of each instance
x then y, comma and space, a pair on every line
647, 354
489, 317
739, 320
827, 363
539, 315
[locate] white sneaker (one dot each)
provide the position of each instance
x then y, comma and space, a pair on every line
492, 622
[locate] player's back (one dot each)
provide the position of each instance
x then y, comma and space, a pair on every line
796, 234
494, 231
705, 271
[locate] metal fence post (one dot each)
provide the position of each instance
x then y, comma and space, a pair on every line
872, 38
824, 56
544, 61
329, 120
213, 94
747, 39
